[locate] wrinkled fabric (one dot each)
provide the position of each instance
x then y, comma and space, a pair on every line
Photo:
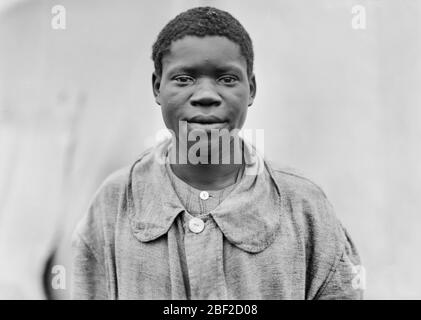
271, 235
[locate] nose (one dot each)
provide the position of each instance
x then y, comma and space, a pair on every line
205, 94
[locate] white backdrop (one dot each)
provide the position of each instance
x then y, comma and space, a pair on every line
341, 105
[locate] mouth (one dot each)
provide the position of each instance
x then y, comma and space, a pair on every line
207, 126
203, 119
206, 123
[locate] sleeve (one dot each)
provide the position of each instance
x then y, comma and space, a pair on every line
346, 280
89, 277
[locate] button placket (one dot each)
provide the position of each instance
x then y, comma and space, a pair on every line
203, 202
204, 195
204, 262
196, 225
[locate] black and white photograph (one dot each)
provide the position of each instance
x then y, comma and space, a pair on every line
210, 150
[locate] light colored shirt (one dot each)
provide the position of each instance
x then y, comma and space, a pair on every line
271, 235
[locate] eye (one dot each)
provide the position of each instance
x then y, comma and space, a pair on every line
183, 79
228, 79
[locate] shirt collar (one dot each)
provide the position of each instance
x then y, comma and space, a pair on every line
249, 217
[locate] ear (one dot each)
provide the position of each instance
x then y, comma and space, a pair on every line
252, 83
156, 84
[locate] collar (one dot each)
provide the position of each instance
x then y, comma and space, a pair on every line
249, 217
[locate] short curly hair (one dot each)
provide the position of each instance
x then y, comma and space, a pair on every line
201, 22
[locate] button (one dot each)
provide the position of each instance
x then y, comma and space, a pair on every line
204, 195
196, 225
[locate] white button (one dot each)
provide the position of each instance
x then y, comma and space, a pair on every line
196, 225
204, 195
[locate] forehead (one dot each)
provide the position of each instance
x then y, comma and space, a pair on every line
199, 51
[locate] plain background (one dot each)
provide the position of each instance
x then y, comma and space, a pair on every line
340, 105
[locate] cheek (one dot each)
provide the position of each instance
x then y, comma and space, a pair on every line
172, 98
239, 107
239, 102
241, 119
240, 95
171, 106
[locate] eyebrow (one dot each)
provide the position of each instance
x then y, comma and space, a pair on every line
193, 69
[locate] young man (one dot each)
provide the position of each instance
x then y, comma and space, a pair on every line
174, 227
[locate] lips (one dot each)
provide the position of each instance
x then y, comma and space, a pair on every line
206, 123
210, 119
207, 126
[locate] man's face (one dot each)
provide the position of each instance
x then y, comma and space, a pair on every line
204, 82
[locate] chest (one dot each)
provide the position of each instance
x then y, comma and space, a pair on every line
206, 265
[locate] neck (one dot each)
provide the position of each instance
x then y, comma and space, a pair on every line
213, 175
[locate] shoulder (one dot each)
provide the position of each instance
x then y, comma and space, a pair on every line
305, 203
111, 193
294, 185
111, 189
108, 201
98, 221
332, 259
